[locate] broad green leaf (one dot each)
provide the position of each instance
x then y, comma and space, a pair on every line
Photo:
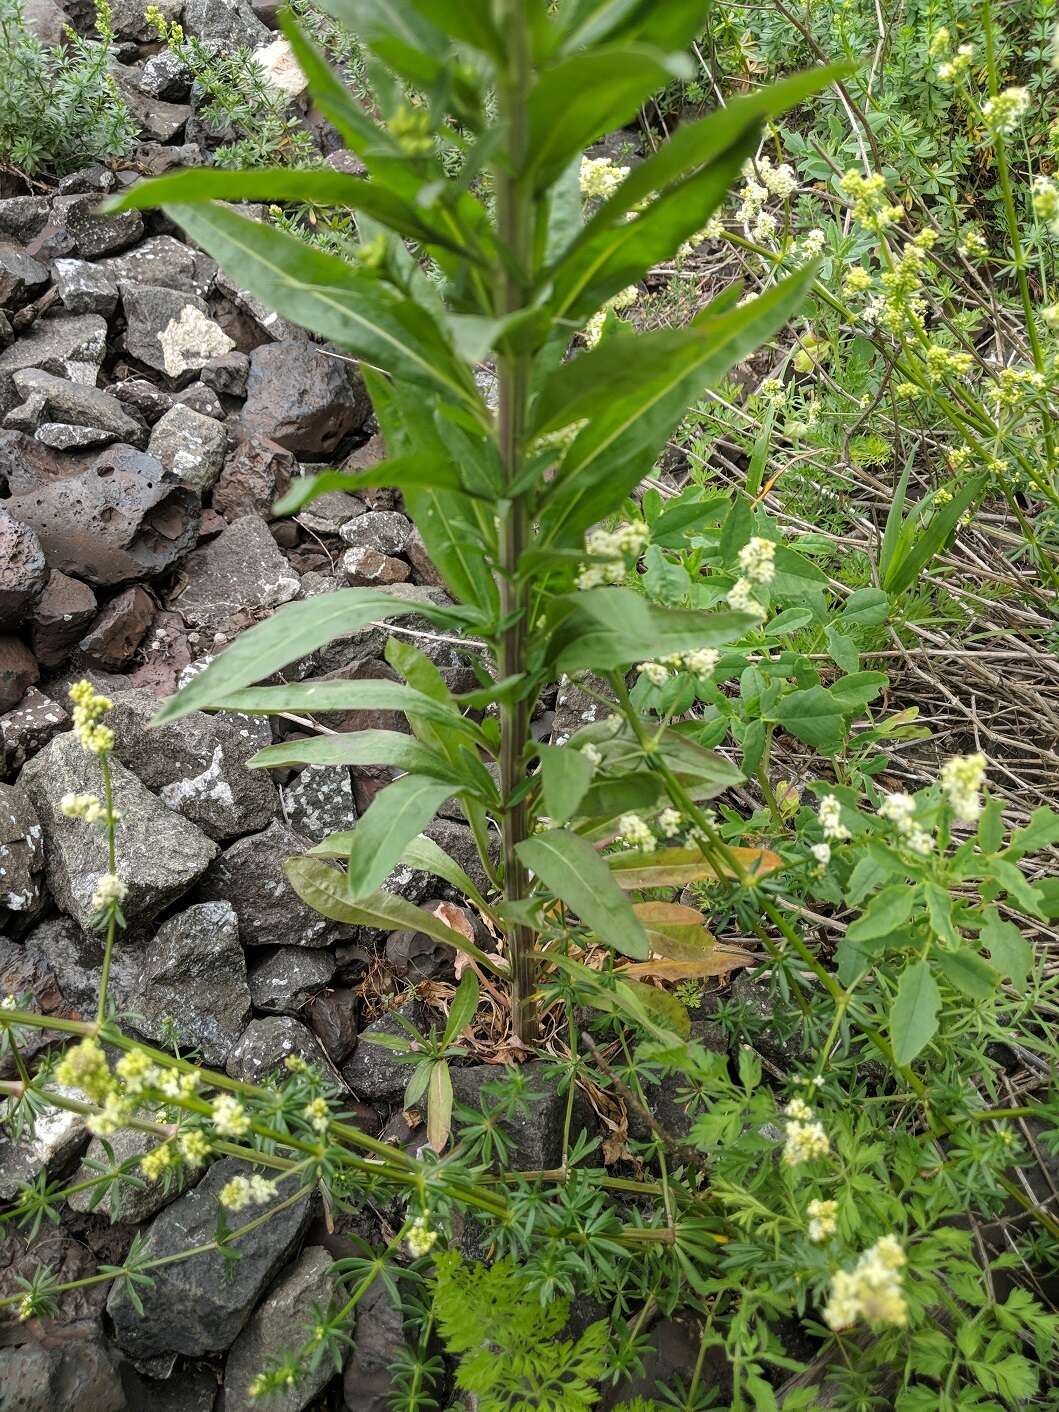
639, 790
854, 692
565, 776
914, 1012
471, 22
368, 747
608, 629
813, 715
572, 869
324, 889
843, 650
940, 914
675, 867
293, 631
334, 98
396, 815
1042, 830
990, 832
321, 187
888, 910
325, 295
439, 1106
1010, 952
576, 100
461, 1010
966, 972
417, 1084
866, 607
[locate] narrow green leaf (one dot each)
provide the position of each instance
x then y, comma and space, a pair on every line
914, 1012
926, 542
397, 471
319, 697
368, 747
439, 1106
572, 869
461, 1011
608, 629
397, 814
293, 631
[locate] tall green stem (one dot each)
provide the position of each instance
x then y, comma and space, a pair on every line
514, 216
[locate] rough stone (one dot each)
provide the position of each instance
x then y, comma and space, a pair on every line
147, 398
119, 629
150, 309
64, 437
57, 399
21, 277
197, 765
386, 531
285, 981
328, 513
21, 853
267, 1044
250, 875
230, 24
120, 519
199, 1305
190, 446
135, 1202
535, 1134
333, 1019
58, 1137
159, 120
202, 399
21, 217
367, 568
373, 1072
235, 579
271, 324
227, 374
167, 77
63, 611
70, 345
190, 1388
255, 475
161, 260
159, 853
96, 233
301, 398
27, 464
457, 840
77, 1374
194, 978
368, 1384
85, 288
18, 670
23, 570
69, 960
28, 727
129, 23
302, 1287
319, 801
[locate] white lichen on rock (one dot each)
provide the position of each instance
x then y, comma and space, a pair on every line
190, 341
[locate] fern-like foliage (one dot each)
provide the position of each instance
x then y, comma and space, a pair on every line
512, 1358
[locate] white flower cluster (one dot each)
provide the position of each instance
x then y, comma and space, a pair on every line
872, 1290
701, 663
593, 330
82, 806
1004, 112
806, 1139
1046, 202
635, 832
241, 1192
618, 546
741, 599
89, 710
830, 815
763, 180
823, 1220
670, 822
757, 560
420, 1239
899, 809
110, 892
600, 177
961, 779
822, 853
229, 1116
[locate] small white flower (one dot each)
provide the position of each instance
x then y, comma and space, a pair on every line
420, 1239
822, 853
830, 814
110, 892
670, 822
741, 599
657, 673
961, 778
636, 833
592, 755
823, 1220
757, 560
805, 1142
230, 1118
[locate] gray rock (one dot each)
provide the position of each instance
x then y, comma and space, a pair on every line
28, 727
267, 1044
76, 1374
458, 842
119, 630
319, 801
18, 670
191, 1388
285, 981
230, 24
535, 1135
368, 1384
21, 277
131, 1201
122, 518
373, 1072
96, 233
57, 399
367, 568
199, 1305
85, 288
236, 579
70, 345
202, 399
191, 447
301, 398
159, 120
194, 982
74, 959
23, 216
160, 854
149, 310
23, 570
94, 177
333, 1020
64, 437
59, 618
129, 23
250, 875
166, 76
161, 260
328, 513
387, 531
279, 1325
266, 319
197, 764
227, 374
255, 475
58, 1136
146, 398
21, 853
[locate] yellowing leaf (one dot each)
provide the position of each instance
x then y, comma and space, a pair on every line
717, 961
675, 867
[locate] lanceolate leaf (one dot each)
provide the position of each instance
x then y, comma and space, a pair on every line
396, 816
914, 1013
315, 698
293, 631
461, 1011
422, 853
608, 629
325, 295
439, 1106
369, 747
675, 867
398, 471
572, 869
